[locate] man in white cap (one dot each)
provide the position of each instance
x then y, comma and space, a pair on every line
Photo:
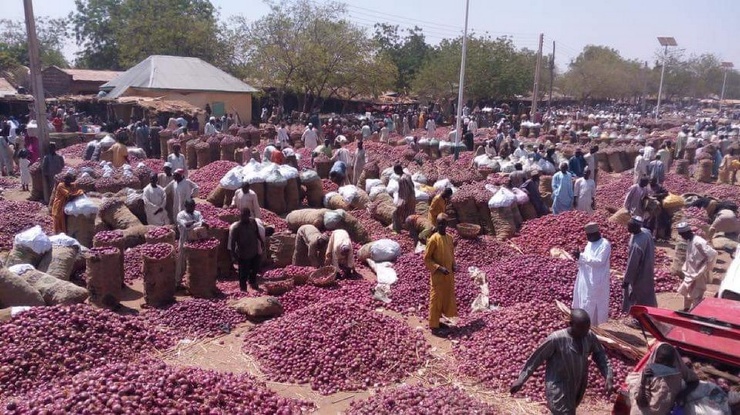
639, 278
182, 190
164, 178
210, 129
591, 291
310, 138
697, 269
177, 160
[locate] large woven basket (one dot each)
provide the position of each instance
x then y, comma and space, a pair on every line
468, 230
323, 277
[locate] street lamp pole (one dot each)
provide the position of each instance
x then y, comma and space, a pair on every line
461, 86
726, 66
665, 42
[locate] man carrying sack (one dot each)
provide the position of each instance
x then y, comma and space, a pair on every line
245, 245
191, 227
697, 269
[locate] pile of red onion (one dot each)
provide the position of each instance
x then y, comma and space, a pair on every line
156, 251
151, 386
357, 291
414, 399
362, 349
208, 177
158, 232
204, 244
24, 215
196, 317
47, 344
133, 263
109, 236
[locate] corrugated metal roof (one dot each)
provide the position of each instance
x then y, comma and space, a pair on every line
91, 75
6, 88
175, 73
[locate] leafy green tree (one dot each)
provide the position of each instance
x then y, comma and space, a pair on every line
14, 42
407, 53
117, 34
600, 72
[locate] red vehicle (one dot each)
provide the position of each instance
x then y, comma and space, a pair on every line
710, 332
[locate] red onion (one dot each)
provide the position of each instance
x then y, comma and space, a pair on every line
208, 177
196, 317
204, 244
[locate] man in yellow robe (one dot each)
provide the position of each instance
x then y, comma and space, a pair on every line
65, 192
439, 259
439, 205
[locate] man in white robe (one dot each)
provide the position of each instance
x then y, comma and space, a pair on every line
189, 223
177, 160
155, 203
245, 198
431, 128
339, 252
584, 191
310, 138
697, 269
591, 291
181, 189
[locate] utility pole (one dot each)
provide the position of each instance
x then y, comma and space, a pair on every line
536, 92
461, 85
644, 87
552, 76
37, 87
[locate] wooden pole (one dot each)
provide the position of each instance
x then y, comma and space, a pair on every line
536, 92
552, 76
37, 87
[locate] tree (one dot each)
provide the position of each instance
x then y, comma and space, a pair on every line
312, 49
14, 45
408, 54
117, 34
494, 68
600, 72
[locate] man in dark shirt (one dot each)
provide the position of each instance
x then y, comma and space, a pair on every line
154, 140
244, 244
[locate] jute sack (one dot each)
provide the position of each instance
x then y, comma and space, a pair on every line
292, 195
259, 307
53, 290
37, 182
227, 150
337, 202
602, 162
22, 255
224, 263
355, 229
281, 248
135, 204
118, 216
703, 172
202, 154
119, 243
622, 217
528, 211
259, 191
422, 207
60, 261
15, 291
545, 184
679, 257
228, 197
484, 218
503, 223
615, 161
201, 270
159, 277
104, 274
214, 148
314, 193
168, 238
682, 167
217, 196
361, 201
322, 165
382, 209
364, 253
465, 209
191, 154
135, 235
81, 228
516, 215
690, 154
298, 218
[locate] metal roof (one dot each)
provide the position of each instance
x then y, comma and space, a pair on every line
175, 73
6, 88
91, 75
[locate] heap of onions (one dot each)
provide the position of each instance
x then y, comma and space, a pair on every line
414, 399
133, 263
48, 344
24, 215
208, 177
362, 349
151, 386
158, 232
203, 244
359, 291
196, 317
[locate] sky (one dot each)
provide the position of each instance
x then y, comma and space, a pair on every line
630, 26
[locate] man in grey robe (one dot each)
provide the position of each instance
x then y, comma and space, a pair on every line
636, 194
639, 278
566, 352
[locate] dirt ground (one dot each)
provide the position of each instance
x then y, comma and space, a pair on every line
225, 354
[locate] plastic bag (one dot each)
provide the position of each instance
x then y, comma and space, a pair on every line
520, 196
289, 172
419, 177
707, 399
481, 302
107, 142
385, 250
232, 180
333, 219
421, 196
503, 198
546, 167
382, 293
349, 193
384, 272
34, 239
442, 184
370, 183
376, 190
20, 269
392, 186
309, 176
63, 239
81, 206
327, 198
